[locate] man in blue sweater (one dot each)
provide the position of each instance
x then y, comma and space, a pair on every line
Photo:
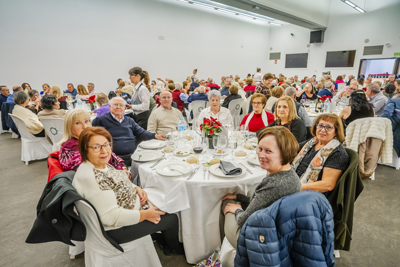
225, 90
124, 130
4, 93
71, 90
329, 87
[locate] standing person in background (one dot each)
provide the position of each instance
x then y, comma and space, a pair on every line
71, 90
258, 76
91, 90
141, 97
46, 89
4, 93
26, 87
265, 86
194, 76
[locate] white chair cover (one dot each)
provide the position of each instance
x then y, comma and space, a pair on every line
32, 147
197, 107
340, 87
54, 129
100, 253
77, 249
234, 107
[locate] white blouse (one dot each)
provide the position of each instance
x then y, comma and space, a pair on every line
223, 116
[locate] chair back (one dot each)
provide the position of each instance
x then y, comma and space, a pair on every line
340, 87
235, 107
23, 130
197, 107
54, 128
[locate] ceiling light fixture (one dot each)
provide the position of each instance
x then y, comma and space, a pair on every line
359, 9
223, 10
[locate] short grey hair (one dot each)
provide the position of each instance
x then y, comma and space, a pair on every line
210, 80
374, 88
290, 91
228, 80
201, 89
353, 82
92, 84
115, 98
20, 97
213, 93
178, 85
328, 84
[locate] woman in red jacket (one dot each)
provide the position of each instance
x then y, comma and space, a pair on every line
259, 118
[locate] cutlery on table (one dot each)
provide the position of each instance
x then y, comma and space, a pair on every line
156, 163
246, 168
172, 169
193, 173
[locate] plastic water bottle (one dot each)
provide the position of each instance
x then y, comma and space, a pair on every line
79, 104
181, 125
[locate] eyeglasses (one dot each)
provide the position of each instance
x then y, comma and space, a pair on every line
98, 148
118, 105
327, 128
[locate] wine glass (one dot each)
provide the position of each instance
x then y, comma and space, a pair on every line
222, 142
170, 148
215, 142
199, 145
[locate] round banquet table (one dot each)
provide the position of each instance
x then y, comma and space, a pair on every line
196, 201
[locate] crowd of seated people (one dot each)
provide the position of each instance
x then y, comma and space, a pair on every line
305, 155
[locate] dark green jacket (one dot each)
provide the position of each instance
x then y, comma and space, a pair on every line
342, 198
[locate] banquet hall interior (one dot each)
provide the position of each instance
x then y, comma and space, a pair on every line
180, 50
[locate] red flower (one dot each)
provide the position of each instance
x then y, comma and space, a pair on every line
92, 99
211, 132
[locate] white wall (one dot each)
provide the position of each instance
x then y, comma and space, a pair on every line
347, 30
81, 41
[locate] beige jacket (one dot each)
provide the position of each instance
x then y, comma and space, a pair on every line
54, 113
30, 119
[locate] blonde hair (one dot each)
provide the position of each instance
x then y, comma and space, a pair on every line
233, 89
55, 90
102, 99
278, 91
81, 90
292, 109
69, 119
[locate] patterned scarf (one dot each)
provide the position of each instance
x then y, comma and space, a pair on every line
317, 163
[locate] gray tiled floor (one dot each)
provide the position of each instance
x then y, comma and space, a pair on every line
376, 235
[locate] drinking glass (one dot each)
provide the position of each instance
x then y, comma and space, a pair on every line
199, 146
215, 142
222, 142
169, 153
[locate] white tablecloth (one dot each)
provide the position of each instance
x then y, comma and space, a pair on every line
199, 203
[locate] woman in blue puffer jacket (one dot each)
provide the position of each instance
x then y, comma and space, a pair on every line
392, 112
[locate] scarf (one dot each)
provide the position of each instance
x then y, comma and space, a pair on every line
317, 163
263, 116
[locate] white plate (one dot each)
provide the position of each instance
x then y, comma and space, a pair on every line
214, 169
174, 168
146, 155
254, 160
152, 144
220, 154
184, 152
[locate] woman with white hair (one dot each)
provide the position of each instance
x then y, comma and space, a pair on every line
215, 110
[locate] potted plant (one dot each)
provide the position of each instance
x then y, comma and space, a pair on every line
91, 101
210, 127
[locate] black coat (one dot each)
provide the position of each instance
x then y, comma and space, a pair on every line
56, 219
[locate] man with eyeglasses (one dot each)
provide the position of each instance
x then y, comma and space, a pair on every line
126, 133
165, 117
4, 93
344, 95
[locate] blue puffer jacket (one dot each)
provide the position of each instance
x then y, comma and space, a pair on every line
392, 112
296, 230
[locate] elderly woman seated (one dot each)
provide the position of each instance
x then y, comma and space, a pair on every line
34, 101
308, 92
323, 159
215, 110
102, 102
30, 119
118, 202
276, 149
277, 92
233, 94
74, 123
51, 108
259, 118
286, 115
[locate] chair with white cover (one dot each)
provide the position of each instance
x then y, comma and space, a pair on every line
32, 147
54, 128
234, 107
77, 249
340, 87
197, 107
100, 253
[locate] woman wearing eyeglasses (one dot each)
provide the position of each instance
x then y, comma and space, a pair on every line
323, 159
140, 102
259, 118
122, 206
75, 122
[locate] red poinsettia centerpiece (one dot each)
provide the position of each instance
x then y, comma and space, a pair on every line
211, 127
92, 99
325, 98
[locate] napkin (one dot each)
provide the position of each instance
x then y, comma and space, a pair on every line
229, 169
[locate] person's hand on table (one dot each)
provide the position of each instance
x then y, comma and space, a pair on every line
127, 173
230, 207
160, 137
229, 196
142, 194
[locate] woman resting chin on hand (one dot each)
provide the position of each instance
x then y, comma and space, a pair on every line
118, 202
